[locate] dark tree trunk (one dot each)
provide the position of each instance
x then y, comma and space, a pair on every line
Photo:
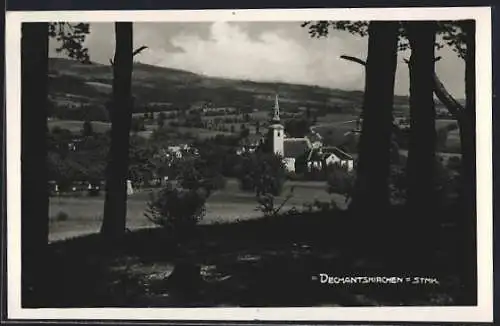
422, 141
186, 281
468, 143
115, 206
371, 190
34, 171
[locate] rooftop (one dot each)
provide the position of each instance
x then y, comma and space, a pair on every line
337, 152
294, 147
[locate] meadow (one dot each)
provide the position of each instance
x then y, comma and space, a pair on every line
75, 216
76, 126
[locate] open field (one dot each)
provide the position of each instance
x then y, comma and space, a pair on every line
76, 126
228, 205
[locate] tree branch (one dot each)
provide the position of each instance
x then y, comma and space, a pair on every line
353, 59
453, 106
139, 50
136, 52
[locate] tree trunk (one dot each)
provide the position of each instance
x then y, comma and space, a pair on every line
422, 141
186, 281
468, 143
34, 170
115, 206
371, 194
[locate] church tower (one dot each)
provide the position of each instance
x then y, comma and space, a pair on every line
276, 130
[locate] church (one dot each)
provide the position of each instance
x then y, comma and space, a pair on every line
309, 150
309, 147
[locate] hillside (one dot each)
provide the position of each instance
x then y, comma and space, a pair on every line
74, 85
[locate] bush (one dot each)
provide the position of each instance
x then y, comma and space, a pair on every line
218, 182
263, 173
340, 180
194, 173
176, 208
62, 216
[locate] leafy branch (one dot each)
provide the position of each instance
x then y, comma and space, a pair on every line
71, 37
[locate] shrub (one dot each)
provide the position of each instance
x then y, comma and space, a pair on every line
176, 208
267, 204
194, 173
263, 173
340, 180
62, 216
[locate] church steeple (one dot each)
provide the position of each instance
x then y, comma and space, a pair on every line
276, 115
276, 131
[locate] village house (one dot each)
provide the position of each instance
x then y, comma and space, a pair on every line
326, 156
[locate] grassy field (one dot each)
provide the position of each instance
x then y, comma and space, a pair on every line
76, 126
228, 205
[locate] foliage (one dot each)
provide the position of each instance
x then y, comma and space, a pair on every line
340, 180
447, 181
320, 206
267, 203
87, 128
71, 37
64, 111
86, 163
442, 136
452, 33
62, 216
262, 173
161, 119
297, 127
244, 131
176, 208
137, 125
194, 173
142, 164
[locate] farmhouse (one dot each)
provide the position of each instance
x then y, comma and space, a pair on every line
334, 155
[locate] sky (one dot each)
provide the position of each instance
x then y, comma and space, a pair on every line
260, 51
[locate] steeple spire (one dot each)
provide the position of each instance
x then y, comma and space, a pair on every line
276, 115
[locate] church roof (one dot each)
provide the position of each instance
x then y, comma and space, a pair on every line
337, 152
294, 147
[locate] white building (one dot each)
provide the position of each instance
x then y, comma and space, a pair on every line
289, 148
309, 147
321, 158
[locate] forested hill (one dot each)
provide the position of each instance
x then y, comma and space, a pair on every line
74, 85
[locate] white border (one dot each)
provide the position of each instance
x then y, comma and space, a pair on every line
481, 313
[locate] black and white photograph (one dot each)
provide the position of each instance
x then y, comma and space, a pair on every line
312, 164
